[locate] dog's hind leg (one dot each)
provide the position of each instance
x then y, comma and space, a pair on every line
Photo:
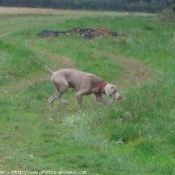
57, 95
52, 99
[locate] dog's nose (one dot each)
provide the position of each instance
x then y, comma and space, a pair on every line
120, 97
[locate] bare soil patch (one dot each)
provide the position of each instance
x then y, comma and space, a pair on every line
88, 33
22, 10
136, 72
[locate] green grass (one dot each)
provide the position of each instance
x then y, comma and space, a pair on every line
134, 136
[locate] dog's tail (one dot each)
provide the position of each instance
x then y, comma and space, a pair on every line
49, 70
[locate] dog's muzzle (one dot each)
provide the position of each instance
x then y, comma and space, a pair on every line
116, 96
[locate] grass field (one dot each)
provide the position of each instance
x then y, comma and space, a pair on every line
135, 136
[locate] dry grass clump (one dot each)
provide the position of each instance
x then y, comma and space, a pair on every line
167, 14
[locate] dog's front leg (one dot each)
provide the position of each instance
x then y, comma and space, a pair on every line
102, 100
80, 99
80, 94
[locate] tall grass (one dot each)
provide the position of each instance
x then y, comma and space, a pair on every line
17, 60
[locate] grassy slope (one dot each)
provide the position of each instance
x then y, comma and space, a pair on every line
135, 136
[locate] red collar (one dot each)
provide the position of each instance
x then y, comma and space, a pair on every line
101, 87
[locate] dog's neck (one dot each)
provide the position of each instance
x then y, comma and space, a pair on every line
101, 89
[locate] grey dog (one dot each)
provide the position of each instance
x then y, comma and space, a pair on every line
84, 83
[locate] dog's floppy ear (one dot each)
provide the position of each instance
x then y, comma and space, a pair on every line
108, 89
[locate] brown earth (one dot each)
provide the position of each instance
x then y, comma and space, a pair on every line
136, 72
88, 33
22, 10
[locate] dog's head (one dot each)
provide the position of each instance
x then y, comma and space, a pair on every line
112, 92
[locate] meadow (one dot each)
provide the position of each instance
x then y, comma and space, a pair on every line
133, 136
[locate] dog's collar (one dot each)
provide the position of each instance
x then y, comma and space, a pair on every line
101, 87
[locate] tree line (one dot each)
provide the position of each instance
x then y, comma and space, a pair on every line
112, 5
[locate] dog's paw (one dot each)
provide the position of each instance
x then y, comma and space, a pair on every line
64, 101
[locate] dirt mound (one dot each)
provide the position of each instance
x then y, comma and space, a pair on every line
88, 33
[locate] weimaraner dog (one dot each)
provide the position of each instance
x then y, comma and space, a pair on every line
84, 84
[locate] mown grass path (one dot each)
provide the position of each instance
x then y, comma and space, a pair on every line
136, 71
